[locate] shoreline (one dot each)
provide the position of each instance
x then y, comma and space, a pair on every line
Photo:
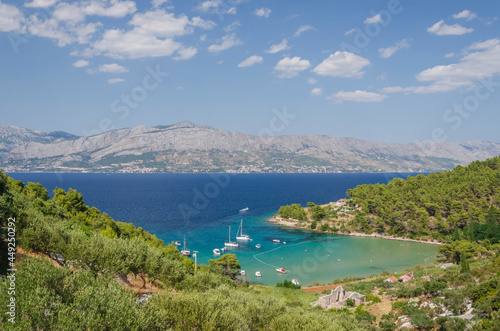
294, 224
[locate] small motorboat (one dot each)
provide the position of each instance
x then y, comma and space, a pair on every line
223, 249
281, 270
258, 246
295, 281
244, 210
243, 273
258, 274
284, 242
276, 241
177, 243
216, 251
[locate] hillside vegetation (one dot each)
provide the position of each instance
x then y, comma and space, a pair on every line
459, 208
462, 203
83, 287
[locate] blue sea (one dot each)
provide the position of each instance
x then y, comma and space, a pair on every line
202, 207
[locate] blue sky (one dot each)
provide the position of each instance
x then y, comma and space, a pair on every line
386, 71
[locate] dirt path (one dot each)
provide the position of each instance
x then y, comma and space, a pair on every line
315, 289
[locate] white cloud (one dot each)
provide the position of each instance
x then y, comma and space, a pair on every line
250, 61
342, 64
112, 68
185, 53
11, 18
312, 81
49, 29
158, 3
263, 12
291, 67
205, 6
76, 12
382, 76
389, 51
69, 12
160, 23
115, 80
225, 43
151, 36
396, 89
64, 32
480, 61
40, 3
231, 11
357, 96
316, 91
198, 22
115, 9
374, 19
465, 14
80, 64
301, 29
448, 55
349, 32
232, 26
203, 37
134, 44
443, 29
278, 47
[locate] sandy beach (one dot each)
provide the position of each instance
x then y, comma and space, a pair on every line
295, 224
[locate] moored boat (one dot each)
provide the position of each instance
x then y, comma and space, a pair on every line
281, 270
216, 251
295, 281
258, 274
240, 235
230, 243
258, 246
276, 241
185, 252
177, 243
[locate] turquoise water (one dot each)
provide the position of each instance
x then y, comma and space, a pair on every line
310, 256
201, 207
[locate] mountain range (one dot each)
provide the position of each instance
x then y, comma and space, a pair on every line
188, 147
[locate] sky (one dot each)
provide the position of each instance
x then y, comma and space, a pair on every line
385, 71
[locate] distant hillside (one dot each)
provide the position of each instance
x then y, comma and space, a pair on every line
188, 147
12, 137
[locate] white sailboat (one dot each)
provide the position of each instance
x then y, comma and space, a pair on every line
242, 236
230, 243
185, 252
